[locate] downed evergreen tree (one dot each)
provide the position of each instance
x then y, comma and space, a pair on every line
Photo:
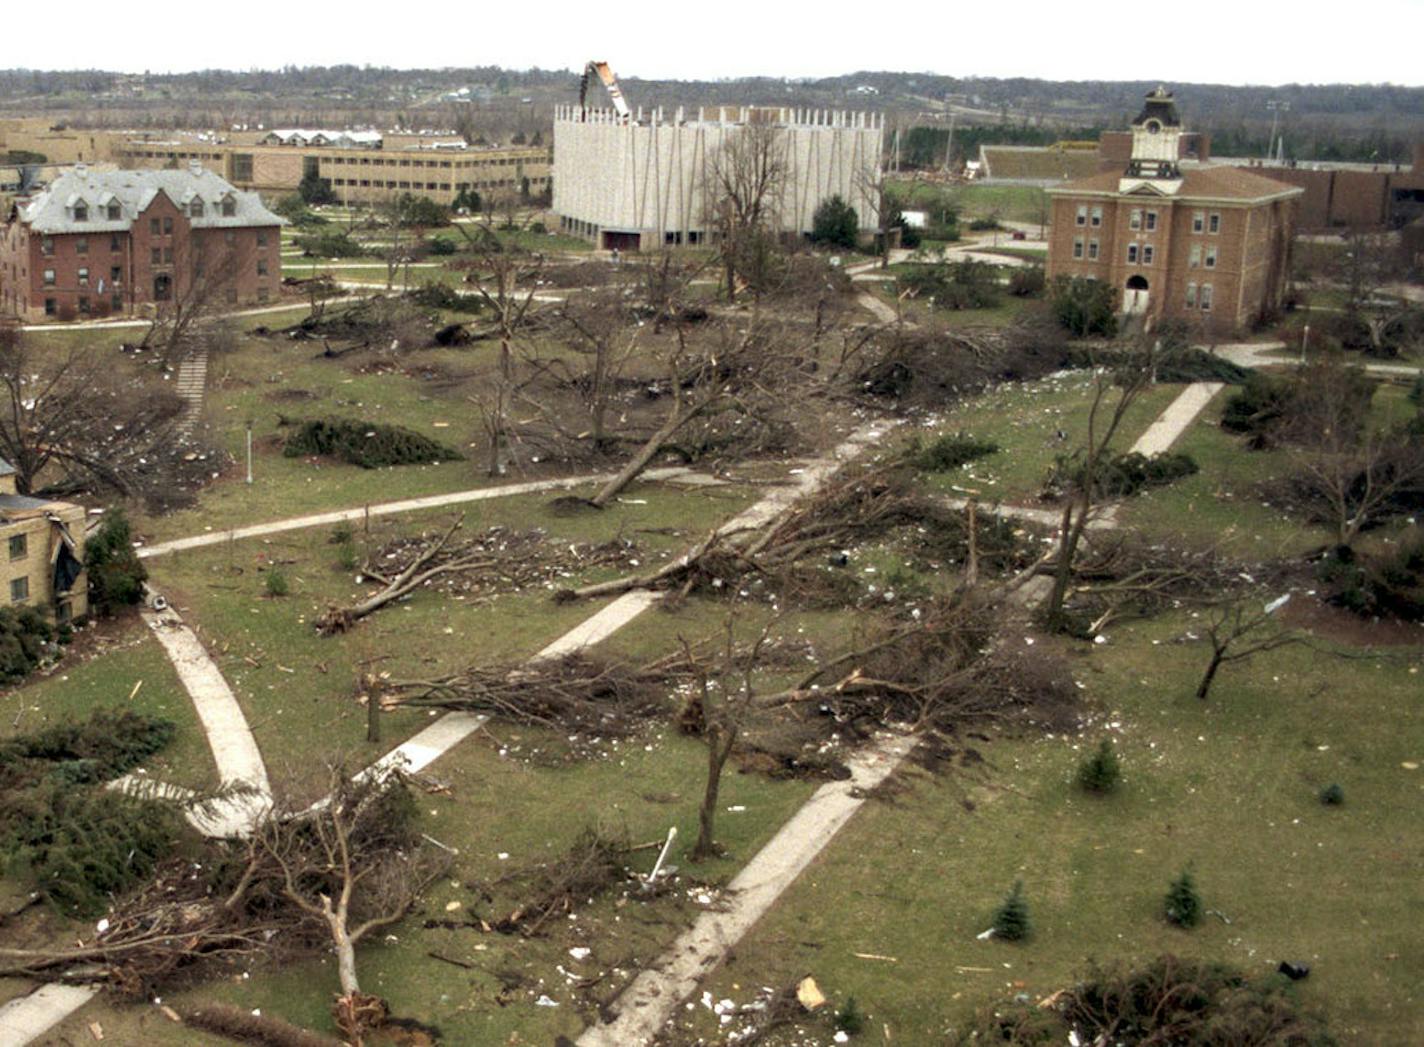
950, 452
76, 842
367, 444
1165, 1001
1121, 476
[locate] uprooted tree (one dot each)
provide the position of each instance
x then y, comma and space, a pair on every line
308, 879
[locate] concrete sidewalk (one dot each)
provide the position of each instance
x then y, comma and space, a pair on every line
407, 505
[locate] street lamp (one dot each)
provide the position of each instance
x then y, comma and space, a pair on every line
249, 450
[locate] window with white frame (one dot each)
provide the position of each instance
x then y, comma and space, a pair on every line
1131, 254
1082, 218
1191, 296
1097, 216
1134, 219
1077, 247
1210, 260
1206, 297
1213, 224
83, 276
1198, 221
1093, 249
1146, 254
49, 277
1150, 221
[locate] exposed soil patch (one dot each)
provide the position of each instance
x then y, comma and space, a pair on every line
1311, 614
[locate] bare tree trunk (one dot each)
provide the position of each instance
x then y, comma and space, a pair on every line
649, 451
1210, 674
719, 746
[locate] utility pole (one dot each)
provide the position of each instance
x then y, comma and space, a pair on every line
949, 143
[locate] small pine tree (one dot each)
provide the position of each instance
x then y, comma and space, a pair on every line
276, 582
850, 1019
1011, 922
1184, 904
1100, 772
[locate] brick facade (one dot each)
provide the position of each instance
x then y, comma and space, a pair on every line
1207, 245
163, 254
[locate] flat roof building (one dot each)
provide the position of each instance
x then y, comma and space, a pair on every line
642, 180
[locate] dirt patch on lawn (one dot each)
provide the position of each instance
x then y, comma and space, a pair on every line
1313, 615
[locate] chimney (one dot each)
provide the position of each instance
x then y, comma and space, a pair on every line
81, 169
195, 167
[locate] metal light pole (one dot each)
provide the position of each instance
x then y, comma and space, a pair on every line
1304, 340
249, 451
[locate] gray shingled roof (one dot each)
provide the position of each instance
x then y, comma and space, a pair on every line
52, 211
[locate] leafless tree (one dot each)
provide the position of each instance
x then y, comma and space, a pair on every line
201, 281
353, 863
1114, 393
1239, 629
72, 421
746, 180
506, 278
605, 336
724, 699
1348, 469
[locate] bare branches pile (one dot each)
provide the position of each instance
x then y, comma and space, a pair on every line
579, 694
496, 560
593, 864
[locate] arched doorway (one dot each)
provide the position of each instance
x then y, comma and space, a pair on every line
1134, 297
162, 287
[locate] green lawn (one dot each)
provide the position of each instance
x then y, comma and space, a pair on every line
1227, 786
116, 665
1024, 419
297, 688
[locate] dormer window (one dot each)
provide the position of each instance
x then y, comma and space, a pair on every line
81, 212
229, 207
1153, 127
115, 212
195, 209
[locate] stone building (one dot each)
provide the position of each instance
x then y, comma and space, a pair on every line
96, 243
1176, 238
641, 180
42, 563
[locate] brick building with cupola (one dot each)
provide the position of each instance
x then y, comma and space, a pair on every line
1176, 238
97, 243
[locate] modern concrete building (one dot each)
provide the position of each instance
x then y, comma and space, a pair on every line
43, 562
642, 180
96, 243
1175, 237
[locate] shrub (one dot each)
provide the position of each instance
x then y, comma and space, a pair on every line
950, 452
330, 244
441, 246
1100, 772
342, 533
116, 574
965, 284
367, 445
1183, 905
1332, 795
1027, 281
275, 582
1197, 365
849, 1019
982, 225
422, 211
1084, 306
347, 558
25, 637
835, 223
443, 296
1011, 920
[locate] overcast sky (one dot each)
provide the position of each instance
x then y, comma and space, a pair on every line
1206, 41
